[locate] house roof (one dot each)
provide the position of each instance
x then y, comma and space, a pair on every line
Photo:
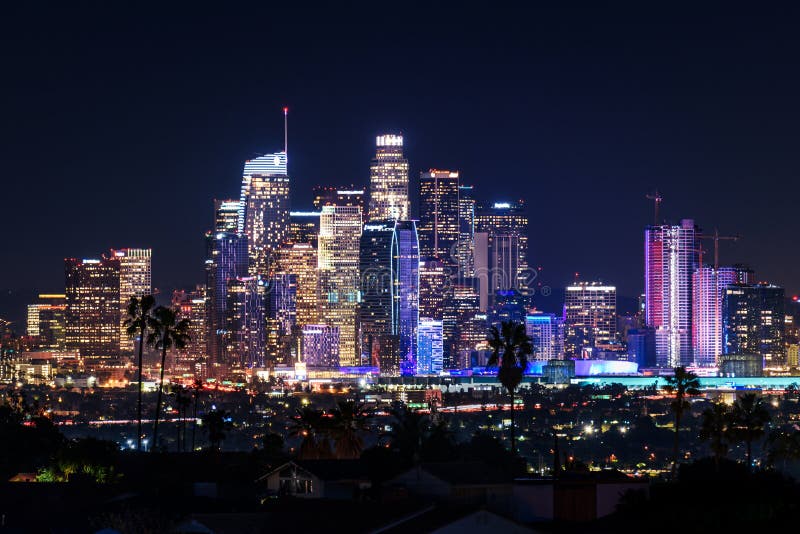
329, 470
467, 473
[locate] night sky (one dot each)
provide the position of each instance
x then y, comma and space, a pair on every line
121, 122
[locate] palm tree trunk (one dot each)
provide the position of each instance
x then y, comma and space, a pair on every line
675, 444
513, 437
139, 386
194, 415
158, 399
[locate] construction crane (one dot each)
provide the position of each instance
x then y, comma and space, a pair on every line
656, 198
717, 238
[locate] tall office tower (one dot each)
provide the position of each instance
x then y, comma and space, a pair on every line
226, 215
388, 180
590, 314
405, 263
708, 287
670, 257
753, 319
466, 231
320, 346
281, 318
92, 313
226, 260
480, 264
303, 227
338, 270
471, 337
377, 286
264, 208
46, 322
134, 281
435, 288
506, 226
546, 331
192, 305
439, 215
339, 196
245, 331
300, 260
459, 323
430, 355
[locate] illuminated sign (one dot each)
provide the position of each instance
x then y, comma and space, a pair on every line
501, 205
389, 140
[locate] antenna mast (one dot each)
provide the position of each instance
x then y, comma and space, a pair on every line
286, 131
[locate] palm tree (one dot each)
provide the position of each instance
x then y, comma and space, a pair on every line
348, 419
681, 384
182, 401
312, 427
716, 429
168, 332
140, 318
216, 423
408, 430
750, 418
198, 385
511, 347
783, 446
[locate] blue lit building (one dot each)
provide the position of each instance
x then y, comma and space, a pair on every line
405, 297
546, 331
246, 333
430, 355
377, 286
226, 259
281, 317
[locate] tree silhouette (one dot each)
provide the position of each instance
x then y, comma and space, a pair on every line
716, 429
750, 418
682, 385
140, 319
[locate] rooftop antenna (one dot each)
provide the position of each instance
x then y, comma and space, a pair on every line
656, 198
286, 130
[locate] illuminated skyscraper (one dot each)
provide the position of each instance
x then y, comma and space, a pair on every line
245, 332
439, 215
135, 280
92, 314
300, 260
590, 313
281, 317
303, 227
226, 260
708, 290
464, 326
46, 322
226, 215
388, 176
339, 196
546, 331
321, 346
430, 355
192, 305
338, 269
405, 265
753, 318
466, 230
264, 208
435, 288
670, 260
506, 227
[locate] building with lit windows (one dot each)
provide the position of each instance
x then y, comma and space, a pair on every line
439, 215
464, 327
46, 322
435, 287
466, 230
226, 259
590, 318
320, 346
192, 305
339, 196
377, 285
546, 331
671, 257
430, 355
281, 316
303, 227
245, 333
226, 215
300, 260
92, 307
388, 180
135, 280
338, 270
405, 265
264, 208
506, 227
753, 319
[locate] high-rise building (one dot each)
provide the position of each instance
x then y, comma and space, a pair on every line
439, 215
670, 260
388, 180
463, 326
466, 231
377, 285
281, 318
226, 215
92, 312
321, 346
300, 260
590, 315
708, 287
264, 208
338, 269
753, 319
226, 260
435, 287
506, 227
46, 322
546, 331
245, 332
135, 280
430, 355
192, 305
303, 227
405, 263
339, 196
480, 264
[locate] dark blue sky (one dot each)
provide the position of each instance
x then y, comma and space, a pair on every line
121, 122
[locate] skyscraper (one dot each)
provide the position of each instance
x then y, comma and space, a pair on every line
46, 322
753, 317
546, 331
670, 260
245, 332
192, 305
338, 269
264, 208
92, 313
339, 196
227, 259
466, 230
226, 215
430, 355
405, 263
135, 280
439, 215
506, 227
281, 317
303, 227
590, 313
300, 260
388, 177
708, 289
321, 346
